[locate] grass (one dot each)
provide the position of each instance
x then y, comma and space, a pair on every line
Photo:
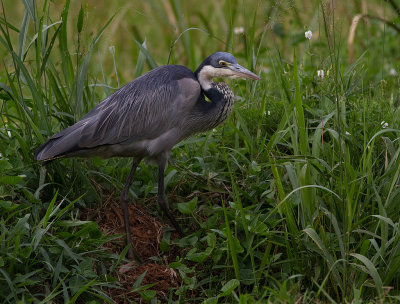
295, 199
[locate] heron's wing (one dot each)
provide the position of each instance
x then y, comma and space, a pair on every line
143, 109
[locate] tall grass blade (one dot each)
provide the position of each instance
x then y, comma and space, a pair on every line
232, 246
179, 37
22, 34
49, 49
187, 41
372, 271
80, 108
329, 259
10, 284
66, 62
49, 210
9, 25
149, 58
140, 61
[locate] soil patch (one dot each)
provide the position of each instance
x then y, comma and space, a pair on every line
147, 233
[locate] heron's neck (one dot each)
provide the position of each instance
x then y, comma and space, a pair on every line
211, 114
204, 75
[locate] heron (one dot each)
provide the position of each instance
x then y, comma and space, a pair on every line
145, 118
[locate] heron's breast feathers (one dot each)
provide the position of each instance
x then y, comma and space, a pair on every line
227, 106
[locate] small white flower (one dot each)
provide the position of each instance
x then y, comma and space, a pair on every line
269, 113
384, 124
321, 73
8, 131
238, 30
214, 130
348, 133
392, 72
308, 34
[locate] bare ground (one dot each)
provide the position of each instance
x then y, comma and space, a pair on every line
147, 233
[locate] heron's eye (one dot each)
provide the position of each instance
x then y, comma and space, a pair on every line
222, 63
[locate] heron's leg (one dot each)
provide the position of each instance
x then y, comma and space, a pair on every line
161, 200
124, 206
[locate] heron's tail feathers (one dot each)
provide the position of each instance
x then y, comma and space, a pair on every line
59, 145
44, 152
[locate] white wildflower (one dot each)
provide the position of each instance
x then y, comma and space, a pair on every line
321, 73
308, 34
8, 131
384, 124
348, 133
238, 30
392, 72
269, 113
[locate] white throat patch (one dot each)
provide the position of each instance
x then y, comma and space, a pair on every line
208, 72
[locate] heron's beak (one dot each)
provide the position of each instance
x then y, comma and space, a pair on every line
242, 72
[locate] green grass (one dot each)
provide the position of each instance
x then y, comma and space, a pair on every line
295, 199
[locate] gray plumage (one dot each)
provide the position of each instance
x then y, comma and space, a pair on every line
142, 118
148, 116
132, 119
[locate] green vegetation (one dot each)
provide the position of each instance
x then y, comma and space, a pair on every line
295, 199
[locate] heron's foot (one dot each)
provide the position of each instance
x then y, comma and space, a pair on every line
131, 253
171, 218
176, 225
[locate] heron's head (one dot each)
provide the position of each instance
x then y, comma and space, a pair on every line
222, 65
